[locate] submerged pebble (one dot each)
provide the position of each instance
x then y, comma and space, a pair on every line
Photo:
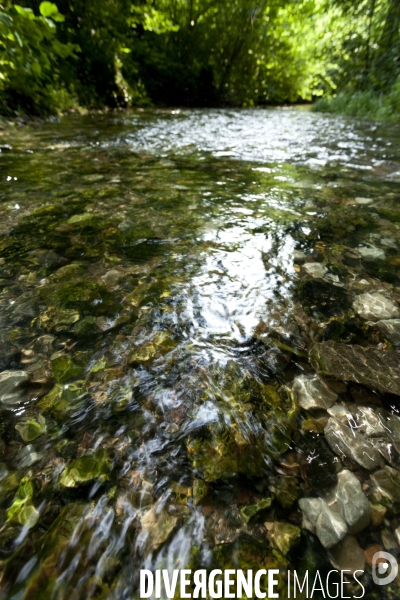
344, 509
11, 390
375, 307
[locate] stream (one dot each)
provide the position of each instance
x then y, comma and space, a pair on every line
200, 348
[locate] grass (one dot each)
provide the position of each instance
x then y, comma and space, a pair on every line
368, 104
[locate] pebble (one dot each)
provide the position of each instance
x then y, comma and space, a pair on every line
371, 252
11, 392
315, 269
390, 329
369, 553
344, 510
363, 200
312, 393
348, 442
348, 555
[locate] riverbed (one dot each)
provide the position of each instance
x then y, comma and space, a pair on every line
200, 348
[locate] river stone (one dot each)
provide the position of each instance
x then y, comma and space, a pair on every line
30, 429
363, 200
112, 278
340, 412
385, 485
249, 511
83, 220
315, 269
328, 525
283, 536
345, 441
11, 392
344, 509
370, 422
311, 392
371, 252
376, 369
156, 527
348, 555
86, 469
374, 307
390, 329
299, 257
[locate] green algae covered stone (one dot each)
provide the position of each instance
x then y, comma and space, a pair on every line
30, 429
86, 469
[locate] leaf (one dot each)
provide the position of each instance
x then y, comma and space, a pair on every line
25, 12
18, 38
6, 19
48, 9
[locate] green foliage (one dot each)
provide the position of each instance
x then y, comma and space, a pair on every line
369, 104
233, 52
200, 53
29, 55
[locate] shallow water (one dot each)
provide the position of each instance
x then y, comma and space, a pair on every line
153, 292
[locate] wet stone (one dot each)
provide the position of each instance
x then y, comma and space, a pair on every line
30, 429
58, 320
371, 252
384, 489
376, 369
348, 555
22, 510
375, 307
11, 390
157, 525
251, 510
344, 509
346, 442
299, 257
285, 490
311, 393
315, 269
284, 536
363, 201
378, 513
83, 220
390, 329
86, 469
28, 456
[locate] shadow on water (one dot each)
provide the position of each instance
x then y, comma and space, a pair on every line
171, 281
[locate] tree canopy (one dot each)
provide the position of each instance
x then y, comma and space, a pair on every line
96, 53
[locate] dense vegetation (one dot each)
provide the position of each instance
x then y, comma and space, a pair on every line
95, 53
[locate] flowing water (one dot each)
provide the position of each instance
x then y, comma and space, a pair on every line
164, 277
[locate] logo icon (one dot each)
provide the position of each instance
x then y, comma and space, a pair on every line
384, 563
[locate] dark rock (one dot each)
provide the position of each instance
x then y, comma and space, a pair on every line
377, 369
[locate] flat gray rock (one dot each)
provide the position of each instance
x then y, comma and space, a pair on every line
311, 393
11, 392
376, 369
345, 509
315, 269
347, 442
371, 252
375, 307
385, 486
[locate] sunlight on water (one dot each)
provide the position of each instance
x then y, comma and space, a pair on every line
164, 275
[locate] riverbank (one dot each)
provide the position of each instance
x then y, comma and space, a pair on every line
368, 104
